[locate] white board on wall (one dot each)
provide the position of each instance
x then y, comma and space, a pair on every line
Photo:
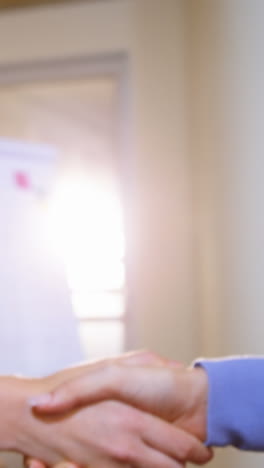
38, 333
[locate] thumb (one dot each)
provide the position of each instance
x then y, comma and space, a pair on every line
65, 396
65, 464
34, 463
99, 382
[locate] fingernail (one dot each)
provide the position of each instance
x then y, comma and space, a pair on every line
33, 464
40, 400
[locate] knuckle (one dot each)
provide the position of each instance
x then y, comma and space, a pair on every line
132, 418
150, 354
122, 417
69, 389
153, 358
109, 367
203, 457
111, 371
111, 410
153, 355
137, 422
185, 451
115, 413
123, 452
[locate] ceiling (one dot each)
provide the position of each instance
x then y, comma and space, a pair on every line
30, 3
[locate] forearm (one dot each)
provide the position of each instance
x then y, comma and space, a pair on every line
20, 430
236, 403
13, 396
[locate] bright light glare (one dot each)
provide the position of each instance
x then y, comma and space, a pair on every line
102, 339
87, 227
98, 304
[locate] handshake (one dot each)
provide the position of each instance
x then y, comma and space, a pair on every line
138, 410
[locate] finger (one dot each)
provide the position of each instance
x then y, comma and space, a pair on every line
87, 388
174, 441
103, 381
65, 397
33, 463
151, 458
45, 402
65, 464
136, 453
115, 381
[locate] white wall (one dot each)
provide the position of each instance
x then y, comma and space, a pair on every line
227, 141
64, 31
165, 307
227, 148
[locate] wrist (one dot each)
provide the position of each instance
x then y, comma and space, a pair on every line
11, 396
16, 417
198, 384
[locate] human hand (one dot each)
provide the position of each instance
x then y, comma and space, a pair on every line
111, 434
33, 463
106, 369
144, 380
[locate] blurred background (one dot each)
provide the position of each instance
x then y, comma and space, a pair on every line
131, 150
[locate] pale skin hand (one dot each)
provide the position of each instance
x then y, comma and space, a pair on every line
107, 434
111, 434
172, 392
144, 380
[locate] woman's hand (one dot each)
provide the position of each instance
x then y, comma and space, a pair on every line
158, 386
110, 434
143, 380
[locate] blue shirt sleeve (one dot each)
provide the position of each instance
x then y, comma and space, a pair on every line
235, 402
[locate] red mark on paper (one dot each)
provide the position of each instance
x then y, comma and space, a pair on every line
22, 180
